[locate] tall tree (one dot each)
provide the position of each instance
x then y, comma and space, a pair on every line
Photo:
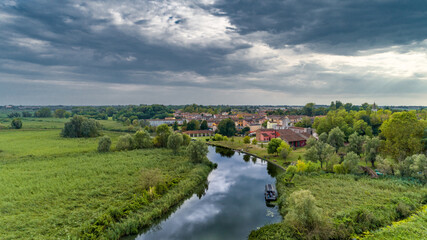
320, 151
163, 131
403, 133
355, 143
336, 138
175, 141
193, 125
308, 109
227, 127
204, 125
371, 149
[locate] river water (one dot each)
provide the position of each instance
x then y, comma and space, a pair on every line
230, 206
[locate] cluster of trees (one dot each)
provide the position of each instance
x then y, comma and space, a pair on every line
16, 123
192, 125
227, 127
165, 138
80, 126
279, 147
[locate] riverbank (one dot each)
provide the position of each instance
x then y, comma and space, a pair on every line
261, 152
353, 204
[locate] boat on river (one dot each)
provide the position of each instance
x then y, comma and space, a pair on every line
270, 193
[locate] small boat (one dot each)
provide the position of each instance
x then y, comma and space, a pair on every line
270, 193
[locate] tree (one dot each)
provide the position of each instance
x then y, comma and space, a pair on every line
142, 139
193, 125
125, 142
351, 162
227, 127
284, 149
308, 110
163, 131
245, 130
59, 113
204, 125
403, 133
16, 123
336, 138
246, 140
175, 141
320, 151
185, 139
104, 144
175, 126
197, 151
254, 141
371, 148
414, 166
80, 126
273, 145
355, 143
43, 113
305, 123
362, 128
305, 218
110, 111
264, 124
26, 114
14, 115
323, 137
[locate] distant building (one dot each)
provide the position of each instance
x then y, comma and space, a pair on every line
199, 133
293, 138
158, 122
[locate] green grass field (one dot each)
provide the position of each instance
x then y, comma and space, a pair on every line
55, 188
414, 227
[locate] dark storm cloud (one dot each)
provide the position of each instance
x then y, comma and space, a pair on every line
349, 25
295, 48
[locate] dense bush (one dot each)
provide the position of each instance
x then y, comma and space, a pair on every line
142, 139
125, 142
186, 139
175, 141
43, 113
161, 140
218, 137
246, 140
197, 151
306, 220
104, 144
80, 126
16, 123
351, 162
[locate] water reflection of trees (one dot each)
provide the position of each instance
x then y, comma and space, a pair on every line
246, 157
202, 189
224, 152
272, 169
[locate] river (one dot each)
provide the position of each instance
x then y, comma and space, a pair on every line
230, 206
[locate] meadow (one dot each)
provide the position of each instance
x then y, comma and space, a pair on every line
59, 188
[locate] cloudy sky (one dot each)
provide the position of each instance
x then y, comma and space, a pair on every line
213, 52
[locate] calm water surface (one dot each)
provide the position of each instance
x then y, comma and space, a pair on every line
231, 205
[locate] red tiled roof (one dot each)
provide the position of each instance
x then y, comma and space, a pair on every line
198, 131
291, 136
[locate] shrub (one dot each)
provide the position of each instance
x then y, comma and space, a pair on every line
333, 159
225, 138
186, 139
246, 140
301, 166
175, 141
16, 123
104, 144
284, 152
339, 169
306, 219
142, 139
218, 137
125, 142
197, 151
80, 126
163, 131
351, 162
254, 142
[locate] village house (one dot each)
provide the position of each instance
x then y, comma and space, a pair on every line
294, 139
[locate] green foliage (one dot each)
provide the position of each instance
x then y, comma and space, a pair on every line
362, 128
204, 125
403, 133
305, 218
163, 131
197, 151
320, 151
225, 139
339, 169
16, 123
254, 141
351, 162
336, 138
371, 149
332, 160
186, 139
175, 126
43, 113
104, 144
284, 149
246, 140
142, 139
175, 141
59, 113
218, 137
273, 145
125, 142
80, 126
193, 125
323, 137
305, 123
227, 127
355, 143
414, 166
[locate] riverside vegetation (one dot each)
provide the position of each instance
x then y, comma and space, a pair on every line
57, 188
